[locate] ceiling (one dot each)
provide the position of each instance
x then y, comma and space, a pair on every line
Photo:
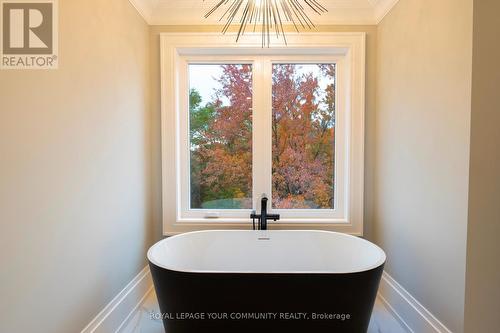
191, 12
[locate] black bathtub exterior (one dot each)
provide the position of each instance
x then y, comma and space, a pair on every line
281, 302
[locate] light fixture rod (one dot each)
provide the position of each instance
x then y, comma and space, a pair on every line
270, 15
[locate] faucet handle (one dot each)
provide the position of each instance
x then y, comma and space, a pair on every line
253, 216
274, 217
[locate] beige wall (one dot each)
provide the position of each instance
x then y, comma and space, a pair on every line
75, 171
371, 37
422, 150
483, 263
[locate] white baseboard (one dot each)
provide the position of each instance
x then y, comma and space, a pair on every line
413, 315
112, 317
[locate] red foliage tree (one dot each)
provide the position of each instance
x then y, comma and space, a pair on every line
303, 140
223, 156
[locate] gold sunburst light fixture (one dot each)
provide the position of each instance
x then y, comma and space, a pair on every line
266, 16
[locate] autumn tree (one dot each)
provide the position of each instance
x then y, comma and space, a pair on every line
221, 142
303, 140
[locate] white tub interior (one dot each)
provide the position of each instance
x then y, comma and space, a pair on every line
270, 251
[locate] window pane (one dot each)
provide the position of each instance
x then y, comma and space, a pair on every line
220, 130
303, 136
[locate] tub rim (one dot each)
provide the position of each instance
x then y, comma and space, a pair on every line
382, 260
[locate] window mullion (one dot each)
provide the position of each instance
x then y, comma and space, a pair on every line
262, 129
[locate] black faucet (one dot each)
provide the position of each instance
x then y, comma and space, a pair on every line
264, 216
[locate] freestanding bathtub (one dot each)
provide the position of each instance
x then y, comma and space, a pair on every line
265, 281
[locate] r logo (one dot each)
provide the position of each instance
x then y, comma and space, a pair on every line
29, 36
27, 28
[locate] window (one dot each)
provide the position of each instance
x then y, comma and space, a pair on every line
220, 134
238, 122
303, 136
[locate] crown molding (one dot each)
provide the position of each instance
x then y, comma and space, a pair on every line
145, 9
381, 8
148, 9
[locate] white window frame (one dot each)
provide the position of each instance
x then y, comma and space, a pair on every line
347, 50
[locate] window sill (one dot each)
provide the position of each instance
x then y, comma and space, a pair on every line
188, 225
